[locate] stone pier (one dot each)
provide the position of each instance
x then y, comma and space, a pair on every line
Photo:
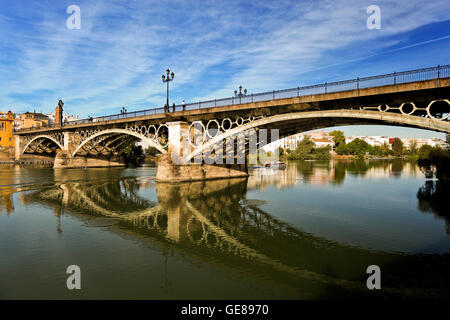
173, 168
167, 171
64, 160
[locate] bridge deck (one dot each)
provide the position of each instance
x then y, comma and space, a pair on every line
418, 86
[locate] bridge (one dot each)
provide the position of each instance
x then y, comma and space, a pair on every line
416, 98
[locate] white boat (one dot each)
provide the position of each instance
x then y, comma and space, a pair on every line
276, 165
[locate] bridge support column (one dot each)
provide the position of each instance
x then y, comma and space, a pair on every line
19, 145
172, 166
68, 142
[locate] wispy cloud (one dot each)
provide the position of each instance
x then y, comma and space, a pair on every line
123, 48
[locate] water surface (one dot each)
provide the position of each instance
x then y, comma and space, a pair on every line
307, 232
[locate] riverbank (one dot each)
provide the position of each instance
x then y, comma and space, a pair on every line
7, 156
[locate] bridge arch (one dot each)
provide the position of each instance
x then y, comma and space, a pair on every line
123, 132
304, 121
43, 137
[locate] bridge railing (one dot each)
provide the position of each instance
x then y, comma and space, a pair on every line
432, 73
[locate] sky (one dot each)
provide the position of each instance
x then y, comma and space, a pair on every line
122, 48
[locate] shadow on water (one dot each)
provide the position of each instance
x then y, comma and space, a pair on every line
433, 198
214, 222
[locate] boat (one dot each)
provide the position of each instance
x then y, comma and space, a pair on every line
276, 165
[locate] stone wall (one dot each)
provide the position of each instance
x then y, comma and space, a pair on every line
167, 171
65, 160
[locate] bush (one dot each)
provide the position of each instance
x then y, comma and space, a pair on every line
322, 153
437, 158
357, 147
397, 147
152, 151
306, 151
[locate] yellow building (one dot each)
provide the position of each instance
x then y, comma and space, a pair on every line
6, 129
33, 120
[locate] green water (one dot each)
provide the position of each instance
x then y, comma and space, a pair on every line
307, 232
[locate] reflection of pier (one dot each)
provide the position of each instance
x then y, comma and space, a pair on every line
7, 181
213, 221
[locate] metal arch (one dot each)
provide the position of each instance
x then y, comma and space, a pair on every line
123, 131
42, 137
430, 124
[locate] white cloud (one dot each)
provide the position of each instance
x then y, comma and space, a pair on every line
122, 49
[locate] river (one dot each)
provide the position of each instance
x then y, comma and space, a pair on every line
307, 232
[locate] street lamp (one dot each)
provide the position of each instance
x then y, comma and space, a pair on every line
169, 78
240, 94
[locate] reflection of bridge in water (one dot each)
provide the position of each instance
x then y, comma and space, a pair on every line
213, 221
326, 172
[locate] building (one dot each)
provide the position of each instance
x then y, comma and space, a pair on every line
6, 129
33, 120
433, 142
320, 138
321, 143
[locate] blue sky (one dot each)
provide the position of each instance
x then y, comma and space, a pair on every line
123, 47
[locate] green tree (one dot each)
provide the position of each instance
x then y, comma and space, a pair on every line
322, 153
152, 151
377, 151
133, 154
303, 151
357, 147
306, 145
385, 149
338, 137
397, 147
435, 157
341, 149
412, 148
424, 151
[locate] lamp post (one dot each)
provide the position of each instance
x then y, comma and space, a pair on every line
169, 78
240, 94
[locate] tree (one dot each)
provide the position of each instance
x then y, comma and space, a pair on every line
435, 157
412, 150
377, 151
385, 149
338, 137
357, 147
133, 154
341, 149
152, 151
424, 151
397, 147
305, 145
322, 153
305, 150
